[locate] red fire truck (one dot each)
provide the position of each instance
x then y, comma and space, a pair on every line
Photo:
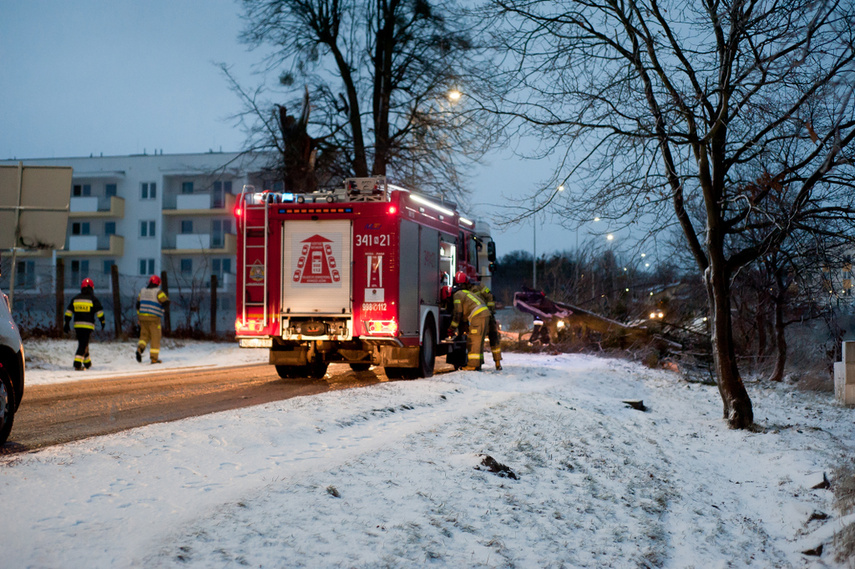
352, 275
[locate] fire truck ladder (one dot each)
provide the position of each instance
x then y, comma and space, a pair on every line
246, 229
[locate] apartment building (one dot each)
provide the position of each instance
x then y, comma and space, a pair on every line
145, 214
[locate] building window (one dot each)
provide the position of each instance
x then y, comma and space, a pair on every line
219, 227
79, 271
110, 190
219, 194
186, 226
221, 267
109, 228
146, 266
147, 228
186, 187
148, 190
80, 228
186, 266
108, 267
25, 275
81, 190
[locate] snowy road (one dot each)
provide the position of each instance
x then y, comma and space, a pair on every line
391, 476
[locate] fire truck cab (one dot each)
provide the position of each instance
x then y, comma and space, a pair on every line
352, 275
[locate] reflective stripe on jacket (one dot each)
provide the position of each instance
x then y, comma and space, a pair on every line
151, 301
466, 305
486, 294
84, 308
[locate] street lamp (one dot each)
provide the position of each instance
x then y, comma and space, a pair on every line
534, 246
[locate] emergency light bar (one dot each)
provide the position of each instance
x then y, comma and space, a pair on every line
467, 222
434, 206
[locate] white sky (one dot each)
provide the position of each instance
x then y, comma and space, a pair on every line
122, 77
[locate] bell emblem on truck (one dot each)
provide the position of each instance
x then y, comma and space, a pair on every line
316, 263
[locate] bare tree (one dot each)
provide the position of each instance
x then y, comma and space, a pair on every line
737, 113
378, 74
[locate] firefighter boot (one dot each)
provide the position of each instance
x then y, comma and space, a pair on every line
78, 363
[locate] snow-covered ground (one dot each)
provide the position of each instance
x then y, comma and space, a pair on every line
391, 475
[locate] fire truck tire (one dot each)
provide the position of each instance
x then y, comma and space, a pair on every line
290, 372
318, 369
427, 352
427, 356
360, 367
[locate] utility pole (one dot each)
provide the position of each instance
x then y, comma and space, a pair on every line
534, 247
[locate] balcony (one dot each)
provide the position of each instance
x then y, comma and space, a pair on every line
200, 244
200, 204
93, 245
94, 207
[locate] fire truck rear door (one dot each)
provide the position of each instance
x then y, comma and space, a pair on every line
316, 266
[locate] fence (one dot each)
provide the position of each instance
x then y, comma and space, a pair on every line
197, 308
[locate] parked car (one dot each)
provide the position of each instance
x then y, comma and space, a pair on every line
11, 368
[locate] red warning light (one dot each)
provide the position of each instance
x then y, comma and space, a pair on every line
392, 209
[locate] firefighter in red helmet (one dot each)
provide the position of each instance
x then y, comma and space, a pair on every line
468, 306
151, 303
85, 308
492, 326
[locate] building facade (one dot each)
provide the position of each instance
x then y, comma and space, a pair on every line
145, 214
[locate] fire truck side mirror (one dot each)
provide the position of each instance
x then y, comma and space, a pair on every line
491, 251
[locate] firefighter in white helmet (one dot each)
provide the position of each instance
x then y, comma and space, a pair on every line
470, 307
492, 326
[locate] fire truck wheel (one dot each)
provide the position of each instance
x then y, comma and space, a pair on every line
427, 353
360, 367
318, 369
290, 372
7, 406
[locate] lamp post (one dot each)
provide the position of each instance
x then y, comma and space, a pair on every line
534, 247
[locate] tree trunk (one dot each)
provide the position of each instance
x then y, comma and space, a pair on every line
780, 329
736, 403
760, 321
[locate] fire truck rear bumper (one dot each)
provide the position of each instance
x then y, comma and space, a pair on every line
382, 341
255, 342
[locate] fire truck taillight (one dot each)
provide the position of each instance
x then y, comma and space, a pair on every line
250, 325
381, 327
392, 210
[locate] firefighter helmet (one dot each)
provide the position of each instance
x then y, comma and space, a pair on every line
445, 293
87, 283
154, 281
461, 278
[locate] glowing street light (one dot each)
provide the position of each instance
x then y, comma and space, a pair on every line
454, 95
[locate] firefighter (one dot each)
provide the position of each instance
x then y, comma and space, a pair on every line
84, 308
150, 305
492, 326
470, 307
